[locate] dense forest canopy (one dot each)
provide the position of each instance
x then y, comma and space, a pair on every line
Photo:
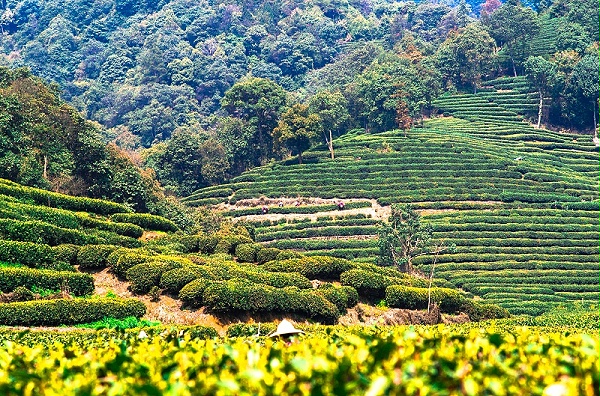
199, 87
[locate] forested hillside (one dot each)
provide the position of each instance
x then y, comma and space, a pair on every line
211, 89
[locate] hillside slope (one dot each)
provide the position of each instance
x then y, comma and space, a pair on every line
520, 203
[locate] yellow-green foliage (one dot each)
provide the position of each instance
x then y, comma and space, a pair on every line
384, 361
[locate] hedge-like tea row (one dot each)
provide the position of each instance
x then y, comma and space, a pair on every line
26, 253
241, 296
52, 199
42, 232
146, 221
125, 229
372, 285
76, 283
68, 312
297, 209
58, 217
316, 232
406, 297
321, 267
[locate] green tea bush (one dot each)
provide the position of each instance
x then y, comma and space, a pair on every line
322, 267
243, 296
174, 280
67, 312
21, 293
42, 232
128, 260
125, 229
276, 279
342, 297
66, 252
94, 256
52, 199
449, 300
246, 252
145, 275
146, 221
371, 285
208, 243
267, 254
192, 294
76, 283
228, 243
250, 329
26, 253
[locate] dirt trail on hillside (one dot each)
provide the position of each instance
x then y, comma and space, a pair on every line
166, 310
375, 211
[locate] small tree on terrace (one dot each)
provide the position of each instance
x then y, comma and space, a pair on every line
403, 238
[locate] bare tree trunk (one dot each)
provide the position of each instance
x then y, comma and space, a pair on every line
540, 106
595, 125
300, 157
513, 63
437, 252
46, 167
330, 144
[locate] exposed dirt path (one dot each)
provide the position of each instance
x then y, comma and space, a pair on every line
375, 211
166, 310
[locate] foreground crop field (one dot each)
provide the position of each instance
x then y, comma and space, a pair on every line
495, 359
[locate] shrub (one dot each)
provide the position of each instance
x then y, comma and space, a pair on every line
267, 254
68, 312
192, 294
26, 253
76, 283
128, 260
288, 254
338, 296
208, 243
174, 280
125, 229
478, 311
322, 267
277, 279
94, 256
407, 297
371, 285
52, 199
246, 252
240, 295
66, 253
228, 243
21, 293
146, 221
146, 275
42, 232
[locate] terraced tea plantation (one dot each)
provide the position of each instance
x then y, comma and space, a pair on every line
521, 204
43, 235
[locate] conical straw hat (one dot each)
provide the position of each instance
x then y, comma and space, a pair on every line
285, 327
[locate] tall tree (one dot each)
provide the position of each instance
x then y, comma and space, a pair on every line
259, 102
466, 55
332, 110
296, 129
585, 80
513, 26
543, 75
